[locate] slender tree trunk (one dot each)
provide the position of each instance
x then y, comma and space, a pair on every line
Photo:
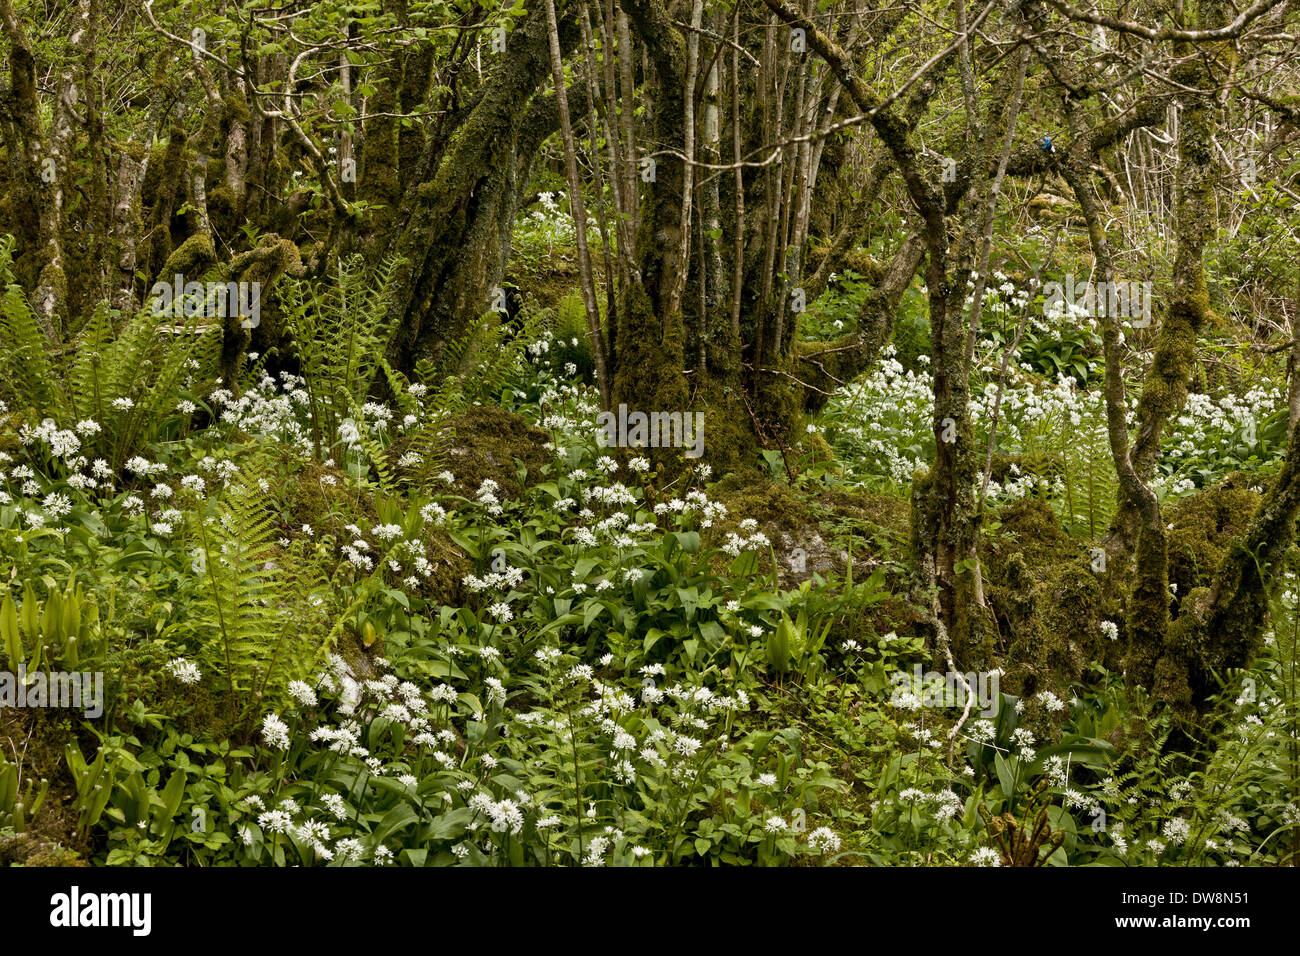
577, 207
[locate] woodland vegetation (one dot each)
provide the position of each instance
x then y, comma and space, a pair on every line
981, 550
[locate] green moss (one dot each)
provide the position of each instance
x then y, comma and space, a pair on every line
163, 179
1030, 526
235, 110
730, 445
1046, 600
1172, 674
153, 174
772, 504
192, 258
649, 374
778, 406
1017, 598
491, 442
1181, 658
28, 849
262, 265
814, 449
1073, 613
548, 281
222, 205
1147, 620
53, 279
828, 527
1205, 525
320, 496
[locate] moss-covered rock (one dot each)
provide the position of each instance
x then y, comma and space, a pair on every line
1046, 600
490, 442
812, 534
31, 849
825, 534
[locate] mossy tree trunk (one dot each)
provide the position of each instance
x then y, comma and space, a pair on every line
454, 227
1138, 530
647, 358
1218, 628
1164, 391
38, 180
1223, 627
944, 513
709, 295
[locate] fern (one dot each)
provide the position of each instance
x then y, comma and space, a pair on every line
1088, 472
146, 363
1086, 501
484, 359
475, 369
379, 460
341, 331
27, 377
256, 621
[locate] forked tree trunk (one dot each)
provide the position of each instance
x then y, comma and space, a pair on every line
455, 228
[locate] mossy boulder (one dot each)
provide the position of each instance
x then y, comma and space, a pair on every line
812, 534
547, 281
785, 518
1030, 527
32, 849
1046, 600
320, 497
490, 442
823, 534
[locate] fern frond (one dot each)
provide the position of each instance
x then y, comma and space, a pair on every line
341, 331
27, 374
236, 621
260, 619
1089, 475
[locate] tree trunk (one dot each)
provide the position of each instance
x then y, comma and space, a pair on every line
455, 227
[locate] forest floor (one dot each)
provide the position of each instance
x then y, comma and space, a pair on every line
471, 634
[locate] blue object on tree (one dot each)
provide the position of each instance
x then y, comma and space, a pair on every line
1047, 146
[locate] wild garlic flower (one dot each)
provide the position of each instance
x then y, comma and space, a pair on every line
275, 732
187, 672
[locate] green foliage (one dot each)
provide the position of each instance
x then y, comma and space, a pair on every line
1070, 351
341, 330
18, 804
1088, 487
62, 629
253, 622
126, 383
